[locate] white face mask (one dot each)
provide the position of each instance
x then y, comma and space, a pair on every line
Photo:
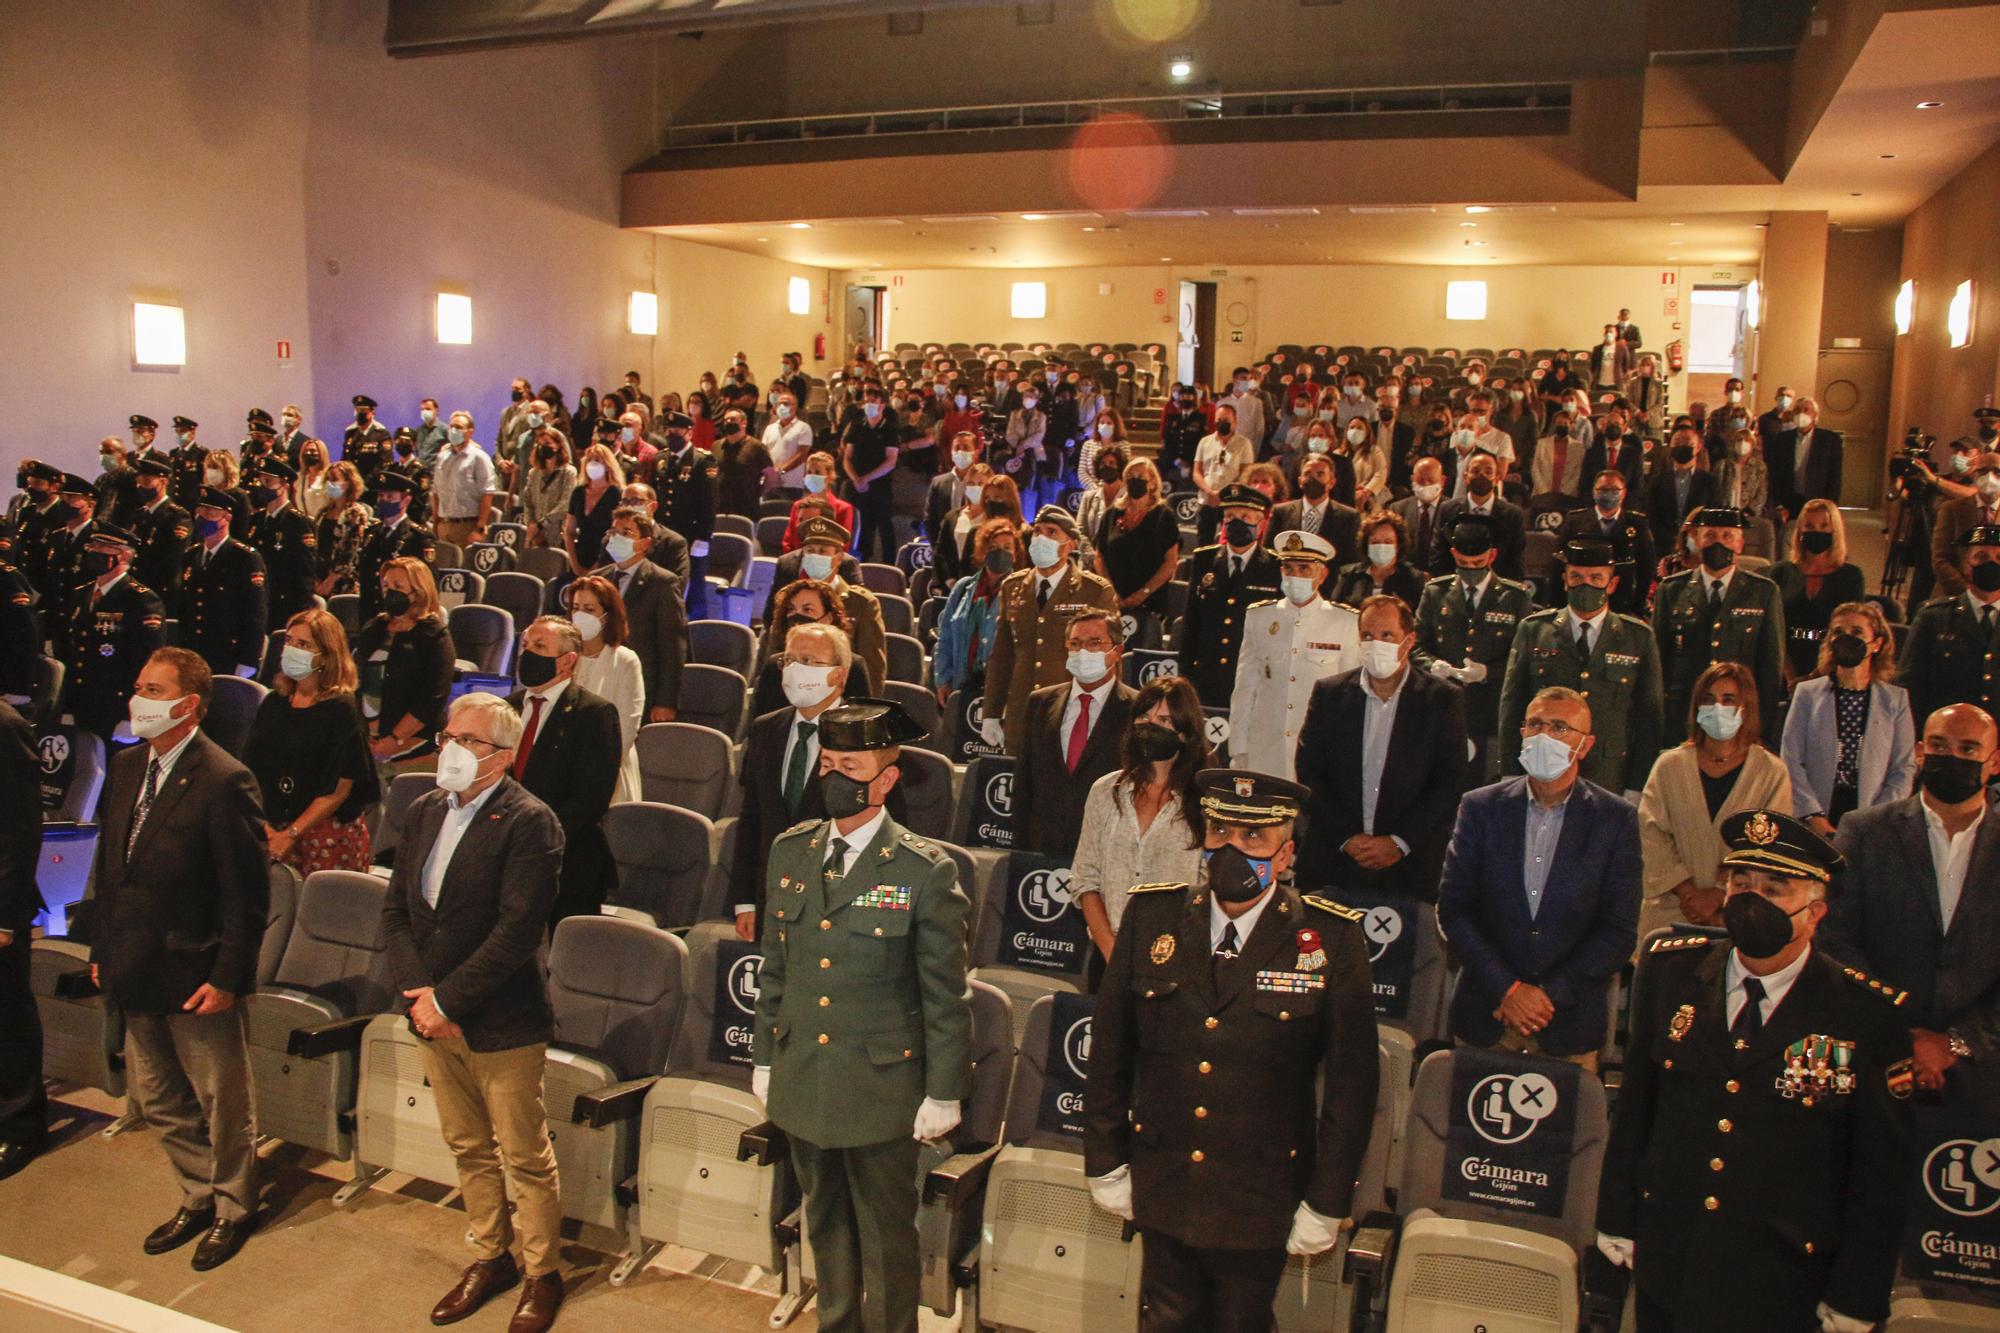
457, 767
1474, 379
1104, 430
1544, 757
213, 476
291, 424
1784, 402
595, 471
455, 434
1357, 434
1743, 448
1428, 493
806, 684
1381, 660
335, 489
1028, 404
816, 565
430, 417
958, 401
1463, 440
1804, 421
1299, 588
184, 435
1351, 390
1381, 554
1087, 667
973, 494
152, 717
534, 418
298, 662
1735, 396
1043, 551
619, 547
627, 435
1988, 486
815, 483
1720, 721
1317, 444
784, 411
960, 459
588, 625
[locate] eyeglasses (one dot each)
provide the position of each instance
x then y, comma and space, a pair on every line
468, 741
1555, 727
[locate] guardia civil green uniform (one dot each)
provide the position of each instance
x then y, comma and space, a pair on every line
863, 1013
1694, 630
1454, 627
1031, 644
1952, 654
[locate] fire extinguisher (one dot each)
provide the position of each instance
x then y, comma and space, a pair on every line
819, 347
1676, 359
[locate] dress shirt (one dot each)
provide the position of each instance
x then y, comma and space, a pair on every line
1800, 452
1776, 985
166, 763
1545, 828
1709, 582
1070, 709
1113, 853
857, 841
1054, 580
1218, 921
458, 817
792, 740
1951, 857
1378, 723
98, 590
1596, 624
1476, 592
1312, 517
462, 474
548, 694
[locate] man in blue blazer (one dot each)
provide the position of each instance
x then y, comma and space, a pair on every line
1540, 897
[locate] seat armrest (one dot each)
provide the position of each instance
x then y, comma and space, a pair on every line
1371, 1250
959, 1177
76, 985
603, 1106
1604, 1288
763, 1144
342, 1034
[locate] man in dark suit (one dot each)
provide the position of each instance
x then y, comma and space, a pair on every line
1919, 907
1804, 464
568, 758
1627, 330
463, 928
1383, 755
655, 616
1613, 449
1317, 512
24, 1107
1540, 895
1421, 509
1610, 519
670, 548
1675, 491
1075, 735
1508, 521
181, 888
222, 592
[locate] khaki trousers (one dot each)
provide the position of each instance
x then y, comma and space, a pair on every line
457, 531
188, 1076
490, 1107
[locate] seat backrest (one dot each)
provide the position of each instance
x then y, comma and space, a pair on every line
986, 803
545, 563
72, 762
616, 986
335, 948
879, 579
1051, 1067
729, 556
484, 636
714, 697
346, 608
520, 595
739, 524
490, 558
231, 709
1490, 1125
722, 643
1406, 957
684, 764
664, 854
514, 536
899, 615
771, 533
456, 587
282, 906
403, 790
446, 555
918, 702
928, 800
906, 657
713, 1043
1031, 923
985, 1108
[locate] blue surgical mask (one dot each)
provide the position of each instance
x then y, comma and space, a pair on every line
1381, 554
817, 565
1608, 501
456, 434
815, 483
1544, 757
388, 509
205, 528
1299, 588
298, 662
619, 547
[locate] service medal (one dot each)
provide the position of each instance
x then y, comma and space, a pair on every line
1162, 950
1683, 1020
1311, 956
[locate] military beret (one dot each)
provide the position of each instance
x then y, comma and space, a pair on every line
862, 723
275, 467
1297, 545
1586, 553
151, 466
71, 484
214, 497
1058, 516
1981, 534
258, 414
823, 529
110, 534
1245, 497
1239, 796
1720, 516
140, 421
1768, 840
388, 479
185, 423
363, 400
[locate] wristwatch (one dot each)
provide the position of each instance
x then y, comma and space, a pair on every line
1958, 1045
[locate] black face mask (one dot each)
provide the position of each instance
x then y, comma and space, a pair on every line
1613, 433
1683, 453
1815, 543
994, 508
1239, 532
1312, 487
360, 416
1481, 486
395, 602
1985, 577
1225, 429
1849, 650
1234, 877
999, 563
96, 564
518, 395
1760, 928
1138, 488
1109, 475
843, 796
535, 670
1562, 432
1152, 743
1952, 778
1716, 557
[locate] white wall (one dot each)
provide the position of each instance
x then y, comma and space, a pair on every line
715, 303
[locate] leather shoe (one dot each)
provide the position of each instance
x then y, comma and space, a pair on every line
220, 1242
540, 1299
14, 1156
183, 1227
478, 1284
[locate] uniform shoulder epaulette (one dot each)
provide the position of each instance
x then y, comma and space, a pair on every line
1269, 601
1636, 620
1162, 887
1213, 546
802, 826
1547, 613
1881, 988
1329, 905
1679, 944
928, 849
1513, 583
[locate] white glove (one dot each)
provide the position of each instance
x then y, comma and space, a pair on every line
1311, 1233
993, 733
1443, 670
1112, 1192
1833, 1321
935, 1119
1472, 672
1615, 1248
760, 1082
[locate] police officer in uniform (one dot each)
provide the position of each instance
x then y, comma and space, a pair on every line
33, 513
1031, 645
394, 534
145, 430
63, 539
286, 540
1224, 582
1289, 645
20, 633
259, 440
190, 461
115, 625
222, 596
1760, 1155
1225, 1008
161, 527
404, 460
365, 443
1718, 613
1611, 659
1465, 632
132, 496
1952, 655
866, 1052
683, 477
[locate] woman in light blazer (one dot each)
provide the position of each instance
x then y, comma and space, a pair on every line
1850, 741
1693, 787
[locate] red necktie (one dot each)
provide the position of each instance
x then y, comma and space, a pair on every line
527, 745
1562, 460
1080, 732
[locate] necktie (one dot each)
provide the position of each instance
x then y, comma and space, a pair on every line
795, 768
1041, 594
836, 858
1583, 637
145, 805
1424, 530
1750, 1021
1079, 733
1312, 520
1225, 954
528, 734
1714, 596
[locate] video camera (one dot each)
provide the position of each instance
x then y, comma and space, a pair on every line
1913, 459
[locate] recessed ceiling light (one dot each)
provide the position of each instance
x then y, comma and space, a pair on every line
1888, 157
765, 239
1090, 229
1929, 106
1477, 208
1180, 67
799, 226
1677, 224
1468, 224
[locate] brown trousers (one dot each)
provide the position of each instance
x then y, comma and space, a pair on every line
490, 1107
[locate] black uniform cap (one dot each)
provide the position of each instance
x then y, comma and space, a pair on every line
149, 466
140, 421
1587, 552
71, 484
110, 534
1720, 516
1239, 796
1778, 843
388, 479
1248, 497
1982, 534
185, 423
275, 467
868, 724
363, 400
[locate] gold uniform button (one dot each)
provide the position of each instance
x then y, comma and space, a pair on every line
1711, 1203
1284, 1015
1201, 1113
1724, 1126
1205, 1067
1211, 1022
1715, 1163
826, 962
824, 1039
826, 925
825, 1000
1667, 1063
1732, 1086
878, 930
1195, 1156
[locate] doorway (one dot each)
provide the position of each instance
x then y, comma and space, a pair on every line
1195, 362
867, 320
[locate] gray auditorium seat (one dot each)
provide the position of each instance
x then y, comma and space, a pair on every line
520, 595
928, 794
231, 709
722, 643
681, 763
666, 859
456, 587
483, 636
715, 697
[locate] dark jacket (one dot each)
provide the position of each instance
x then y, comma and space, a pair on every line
1631, 538
656, 629
573, 769
221, 606
20, 821
1791, 488
189, 905
1631, 462
1573, 946
482, 946
1048, 798
1666, 512
416, 678
1510, 535
1340, 525
1421, 783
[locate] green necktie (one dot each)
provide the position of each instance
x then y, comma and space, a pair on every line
795, 768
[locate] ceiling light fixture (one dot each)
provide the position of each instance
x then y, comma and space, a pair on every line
1468, 224
799, 226
1180, 67
1929, 106
1477, 208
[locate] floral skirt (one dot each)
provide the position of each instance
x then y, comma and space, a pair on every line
332, 845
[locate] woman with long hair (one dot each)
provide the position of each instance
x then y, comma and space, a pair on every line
405, 659
608, 668
343, 528
1850, 737
591, 504
1813, 582
308, 750
970, 620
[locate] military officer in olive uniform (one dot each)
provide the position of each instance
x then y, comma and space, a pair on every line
115, 625
1610, 658
222, 594
1760, 1156
1718, 613
365, 443
1031, 645
190, 461
1952, 655
862, 1047
1289, 646
1465, 633
63, 540
285, 538
1224, 582
161, 527
394, 534
1225, 1008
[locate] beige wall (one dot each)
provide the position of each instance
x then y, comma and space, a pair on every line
1946, 241
1862, 271
715, 303
1793, 286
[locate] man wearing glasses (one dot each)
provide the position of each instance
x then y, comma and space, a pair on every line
476, 873
1540, 896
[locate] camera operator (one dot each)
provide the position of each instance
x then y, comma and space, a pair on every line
1923, 477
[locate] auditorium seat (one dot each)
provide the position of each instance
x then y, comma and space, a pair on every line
1010, 905
906, 656
1312, 1297
490, 558
232, 707
729, 555
667, 863
484, 637
714, 697
929, 794
722, 643
520, 595
456, 587
684, 764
